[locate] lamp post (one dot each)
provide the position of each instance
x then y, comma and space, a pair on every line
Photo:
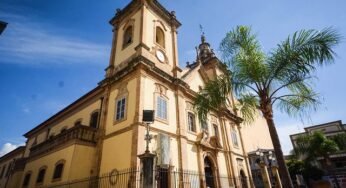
271, 160
147, 138
264, 170
147, 158
274, 172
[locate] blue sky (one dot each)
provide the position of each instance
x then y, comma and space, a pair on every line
53, 52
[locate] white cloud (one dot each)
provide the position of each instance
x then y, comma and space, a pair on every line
26, 40
26, 110
8, 147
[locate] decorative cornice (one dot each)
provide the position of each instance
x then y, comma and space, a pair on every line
169, 17
150, 66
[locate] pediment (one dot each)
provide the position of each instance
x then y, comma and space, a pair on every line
200, 74
208, 142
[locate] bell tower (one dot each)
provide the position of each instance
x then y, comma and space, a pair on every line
144, 28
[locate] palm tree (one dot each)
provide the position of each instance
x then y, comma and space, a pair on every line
315, 145
282, 77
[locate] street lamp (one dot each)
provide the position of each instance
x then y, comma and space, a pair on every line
147, 159
148, 117
271, 160
263, 165
2, 26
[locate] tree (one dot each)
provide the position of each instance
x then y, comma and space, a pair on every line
312, 146
340, 140
308, 171
282, 77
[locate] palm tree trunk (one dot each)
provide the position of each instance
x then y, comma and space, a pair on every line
285, 176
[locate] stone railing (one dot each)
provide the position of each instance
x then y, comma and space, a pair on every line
78, 133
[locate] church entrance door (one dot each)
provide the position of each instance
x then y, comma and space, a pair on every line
209, 173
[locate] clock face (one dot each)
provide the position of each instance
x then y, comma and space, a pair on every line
160, 56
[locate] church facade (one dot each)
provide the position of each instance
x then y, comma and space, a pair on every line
102, 132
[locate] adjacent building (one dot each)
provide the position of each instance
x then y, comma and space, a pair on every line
338, 160
9, 164
102, 133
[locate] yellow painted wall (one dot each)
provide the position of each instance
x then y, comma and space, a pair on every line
149, 37
83, 113
150, 103
195, 80
78, 165
6, 163
50, 161
192, 157
123, 54
112, 125
222, 170
82, 162
116, 153
15, 180
256, 135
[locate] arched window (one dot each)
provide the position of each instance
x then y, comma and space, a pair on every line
94, 119
120, 108
216, 131
128, 36
191, 122
234, 137
51, 136
78, 123
27, 179
64, 129
59, 168
40, 176
160, 37
161, 108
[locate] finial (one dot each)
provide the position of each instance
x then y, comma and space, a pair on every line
202, 33
118, 10
173, 15
197, 53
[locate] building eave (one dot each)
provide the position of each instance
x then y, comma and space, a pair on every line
12, 153
324, 124
177, 82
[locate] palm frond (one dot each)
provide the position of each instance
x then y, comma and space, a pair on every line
298, 55
214, 95
298, 104
248, 107
242, 52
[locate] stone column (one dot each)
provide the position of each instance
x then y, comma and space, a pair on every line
265, 175
147, 161
276, 175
